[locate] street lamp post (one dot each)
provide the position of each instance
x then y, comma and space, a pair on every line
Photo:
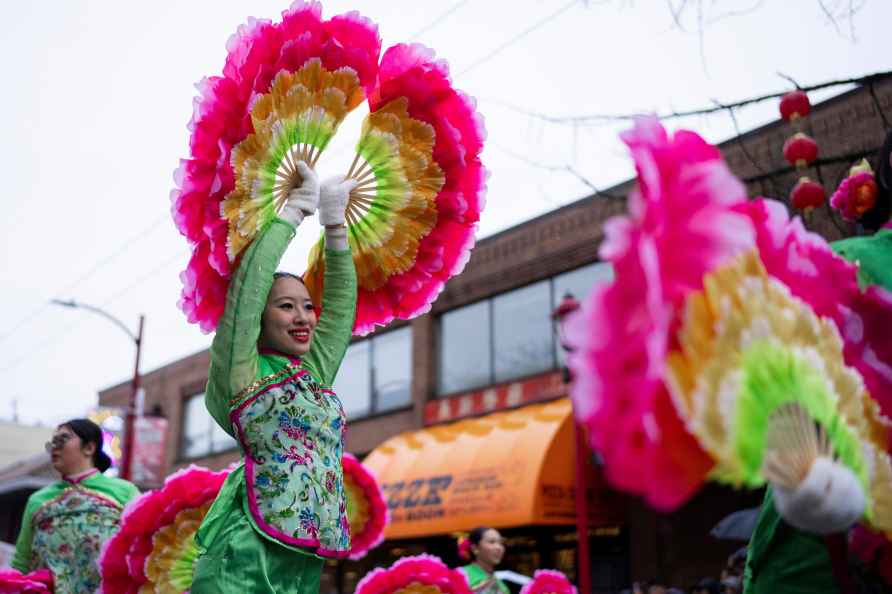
568, 305
130, 418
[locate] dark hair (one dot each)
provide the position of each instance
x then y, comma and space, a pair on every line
89, 432
280, 274
878, 216
477, 533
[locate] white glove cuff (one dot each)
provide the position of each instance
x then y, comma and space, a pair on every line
292, 213
830, 499
336, 238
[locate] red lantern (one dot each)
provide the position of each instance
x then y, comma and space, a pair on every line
800, 150
794, 105
807, 194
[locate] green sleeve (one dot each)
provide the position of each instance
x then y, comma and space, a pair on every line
784, 559
21, 560
335, 328
234, 349
872, 254
123, 491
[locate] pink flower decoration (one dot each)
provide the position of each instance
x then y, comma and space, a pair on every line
856, 195
680, 226
36, 582
425, 570
123, 558
549, 581
464, 548
373, 533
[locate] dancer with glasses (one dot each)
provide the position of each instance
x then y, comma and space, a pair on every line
66, 523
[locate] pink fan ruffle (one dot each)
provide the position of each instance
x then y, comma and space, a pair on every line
806, 264
221, 119
548, 581
36, 582
122, 562
412, 71
426, 570
379, 515
680, 226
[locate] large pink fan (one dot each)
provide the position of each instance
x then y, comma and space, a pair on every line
549, 581
366, 508
36, 582
155, 547
422, 573
285, 89
412, 218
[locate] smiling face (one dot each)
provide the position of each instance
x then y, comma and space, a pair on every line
289, 318
490, 549
68, 453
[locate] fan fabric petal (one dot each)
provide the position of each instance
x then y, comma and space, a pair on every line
154, 550
421, 574
366, 508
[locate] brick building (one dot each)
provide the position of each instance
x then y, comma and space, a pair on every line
487, 346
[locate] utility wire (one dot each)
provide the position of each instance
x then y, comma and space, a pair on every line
518, 37
102, 263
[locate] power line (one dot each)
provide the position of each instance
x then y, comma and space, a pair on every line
103, 262
433, 24
53, 339
518, 37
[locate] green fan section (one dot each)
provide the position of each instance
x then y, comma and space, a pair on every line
772, 376
314, 127
381, 151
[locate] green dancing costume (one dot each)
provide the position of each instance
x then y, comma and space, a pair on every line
282, 511
482, 582
65, 525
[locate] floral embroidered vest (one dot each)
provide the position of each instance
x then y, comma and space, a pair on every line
292, 432
69, 531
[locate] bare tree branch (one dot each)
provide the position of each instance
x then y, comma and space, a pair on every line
595, 119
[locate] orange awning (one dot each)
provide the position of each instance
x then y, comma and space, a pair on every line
513, 468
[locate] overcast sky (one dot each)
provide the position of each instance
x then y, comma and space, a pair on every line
97, 95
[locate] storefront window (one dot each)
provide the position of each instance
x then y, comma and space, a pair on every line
511, 335
523, 336
392, 369
201, 434
578, 283
353, 382
376, 374
465, 348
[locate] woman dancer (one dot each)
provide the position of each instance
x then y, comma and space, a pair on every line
272, 367
485, 548
66, 523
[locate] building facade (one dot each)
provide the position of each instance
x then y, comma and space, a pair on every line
488, 346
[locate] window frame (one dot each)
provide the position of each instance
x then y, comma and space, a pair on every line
181, 449
373, 409
490, 300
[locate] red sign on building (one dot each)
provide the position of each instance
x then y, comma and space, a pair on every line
149, 460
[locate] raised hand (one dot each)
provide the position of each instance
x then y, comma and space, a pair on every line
302, 201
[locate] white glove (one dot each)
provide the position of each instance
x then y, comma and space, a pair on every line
302, 201
829, 499
333, 200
